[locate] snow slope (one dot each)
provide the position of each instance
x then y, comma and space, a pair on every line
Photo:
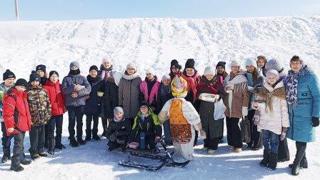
153, 43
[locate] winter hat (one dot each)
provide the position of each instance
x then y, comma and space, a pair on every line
208, 71
175, 63
118, 109
106, 59
131, 66
8, 74
179, 87
189, 64
250, 62
151, 71
94, 67
222, 64
144, 103
273, 64
41, 67
52, 73
273, 72
165, 77
234, 63
74, 65
21, 82
34, 77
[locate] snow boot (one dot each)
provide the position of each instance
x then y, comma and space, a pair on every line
273, 160
301, 149
266, 156
17, 168
303, 163
73, 142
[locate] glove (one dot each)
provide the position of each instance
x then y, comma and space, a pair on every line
315, 121
244, 111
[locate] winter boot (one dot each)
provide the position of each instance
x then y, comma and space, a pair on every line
88, 138
25, 162
73, 142
303, 163
6, 155
301, 149
4, 159
266, 156
34, 156
17, 168
96, 137
273, 160
59, 146
81, 141
43, 154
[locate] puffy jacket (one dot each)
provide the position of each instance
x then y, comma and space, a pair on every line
16, 112
56, 98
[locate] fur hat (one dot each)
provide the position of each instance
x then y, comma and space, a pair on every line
131, 66
189, 64
179, 87
273, 72
8, 74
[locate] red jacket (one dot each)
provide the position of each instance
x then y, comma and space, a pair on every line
16, 112
56, 97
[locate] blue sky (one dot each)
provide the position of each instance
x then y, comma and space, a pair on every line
97, 9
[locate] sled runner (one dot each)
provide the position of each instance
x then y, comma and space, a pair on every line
158, 160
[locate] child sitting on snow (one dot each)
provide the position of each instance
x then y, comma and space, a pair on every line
146, 129
271, 117
118, 130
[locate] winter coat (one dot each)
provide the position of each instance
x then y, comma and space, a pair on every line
39, 105
307, 106
253, 83
212, 127
119, 130
237, 98
68, 85
149, 125
109, 75
149, 90
192, 86
129, 92
56, 98
3, 91
16, 112
276, 118
164, 94
93, 102
110, 89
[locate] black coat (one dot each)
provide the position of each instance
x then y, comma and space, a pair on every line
164, 94
120, 130
110, 97
93, 103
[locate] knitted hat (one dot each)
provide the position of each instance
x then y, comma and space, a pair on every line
273, 72
189, 64
131, 66
250, 62
165, 77
144, 103
52, 73
118, 109
74, 65
21, 82
106, 60
234, 63
208, 71
8, 74
221, 64
41, 67
175, 63
34, 77
94, 67
179, 87
273, 64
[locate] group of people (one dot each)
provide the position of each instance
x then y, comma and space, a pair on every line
269, 104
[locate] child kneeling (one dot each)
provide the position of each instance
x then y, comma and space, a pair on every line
146, 129
118, 130
271, 117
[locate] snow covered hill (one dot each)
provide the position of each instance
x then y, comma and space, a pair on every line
153, 43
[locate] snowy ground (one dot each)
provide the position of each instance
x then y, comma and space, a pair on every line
92, 161
153, 43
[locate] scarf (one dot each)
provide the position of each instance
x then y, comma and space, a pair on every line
291, 82
267, 95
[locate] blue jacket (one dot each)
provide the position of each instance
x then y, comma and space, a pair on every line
307, 106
